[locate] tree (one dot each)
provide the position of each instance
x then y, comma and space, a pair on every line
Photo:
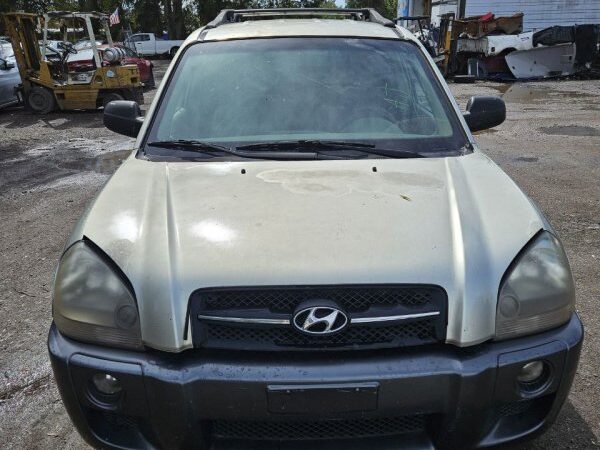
287, 3
177, 17
34, 6
146, 15
388, 8
173, 10
208, 9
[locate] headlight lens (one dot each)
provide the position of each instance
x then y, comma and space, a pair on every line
538, 292
92, 302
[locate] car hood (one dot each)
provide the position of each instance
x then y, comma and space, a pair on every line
456, 222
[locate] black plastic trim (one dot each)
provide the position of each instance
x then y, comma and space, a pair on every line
467, 394
439, 303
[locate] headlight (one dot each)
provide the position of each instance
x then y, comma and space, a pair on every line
92, 301
538, 292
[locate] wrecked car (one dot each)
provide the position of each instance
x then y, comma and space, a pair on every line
9, 80
307, 244
83, 60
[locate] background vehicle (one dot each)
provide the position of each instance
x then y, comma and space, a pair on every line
146, 44
51, 46
83, 61
9, 80
86, 43
46, 82
5, 48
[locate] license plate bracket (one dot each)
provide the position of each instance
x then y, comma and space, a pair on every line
322, 398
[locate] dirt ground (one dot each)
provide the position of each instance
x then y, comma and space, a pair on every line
51, 166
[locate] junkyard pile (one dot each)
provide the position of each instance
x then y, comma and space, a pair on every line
496, 48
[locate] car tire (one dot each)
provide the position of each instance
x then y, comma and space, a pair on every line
151, 82
111, 96
40, 100
173, 52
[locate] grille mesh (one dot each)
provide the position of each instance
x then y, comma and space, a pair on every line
352, 299
514, 408
120, 420
325, 429
282, 302
410, 333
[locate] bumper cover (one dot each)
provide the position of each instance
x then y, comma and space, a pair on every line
467, 398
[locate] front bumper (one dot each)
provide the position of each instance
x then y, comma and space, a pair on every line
464, 398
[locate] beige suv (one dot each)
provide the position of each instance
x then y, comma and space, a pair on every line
307, 249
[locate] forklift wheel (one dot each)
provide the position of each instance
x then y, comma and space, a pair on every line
110, 97
41, 100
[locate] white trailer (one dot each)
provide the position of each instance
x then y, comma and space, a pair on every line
539, 14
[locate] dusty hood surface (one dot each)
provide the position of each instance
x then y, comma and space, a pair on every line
175, 227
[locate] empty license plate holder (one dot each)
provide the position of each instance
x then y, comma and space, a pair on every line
322, 398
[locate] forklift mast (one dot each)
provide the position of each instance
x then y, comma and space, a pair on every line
21, 27
85, 19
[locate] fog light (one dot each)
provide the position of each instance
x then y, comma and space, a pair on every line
531, 372
106, 384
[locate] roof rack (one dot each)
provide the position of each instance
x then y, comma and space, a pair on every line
94, 14
239, 15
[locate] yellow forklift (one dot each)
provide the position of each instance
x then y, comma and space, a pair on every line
47, 83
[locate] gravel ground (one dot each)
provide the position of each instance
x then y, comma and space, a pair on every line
51, 166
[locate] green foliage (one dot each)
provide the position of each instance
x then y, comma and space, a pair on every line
177, 17
207, 10
41, 6
388, 8
147, 15
286, 3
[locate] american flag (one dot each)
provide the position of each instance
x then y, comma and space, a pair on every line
114, 17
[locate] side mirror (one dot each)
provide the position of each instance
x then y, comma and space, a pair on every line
484, 112
3, 64
123, 117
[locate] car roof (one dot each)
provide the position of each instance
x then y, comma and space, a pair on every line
300, 27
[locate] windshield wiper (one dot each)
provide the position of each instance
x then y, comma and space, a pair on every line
369, 149
191, 144
209, 147
308, 143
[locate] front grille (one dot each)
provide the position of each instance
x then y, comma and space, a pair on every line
281, 303
413, 333
350, 298
324, 429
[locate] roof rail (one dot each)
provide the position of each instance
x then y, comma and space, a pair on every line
239, 15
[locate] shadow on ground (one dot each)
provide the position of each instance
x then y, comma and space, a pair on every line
17, 117
569, 431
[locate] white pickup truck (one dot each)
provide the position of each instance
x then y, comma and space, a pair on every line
146, 44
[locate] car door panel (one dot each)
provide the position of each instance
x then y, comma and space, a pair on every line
8, 80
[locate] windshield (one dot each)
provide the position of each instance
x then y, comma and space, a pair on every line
380, 92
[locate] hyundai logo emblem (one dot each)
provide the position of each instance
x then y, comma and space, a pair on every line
320, 320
